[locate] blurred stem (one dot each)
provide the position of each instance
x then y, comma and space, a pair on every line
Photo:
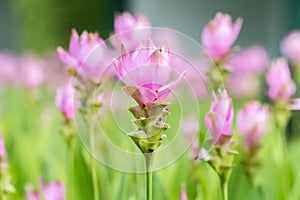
148, 159
93, 160
224, 187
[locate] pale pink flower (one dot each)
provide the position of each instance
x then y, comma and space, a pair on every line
219, 35
2, 146
33, 195
183, 195
88, 54
33, 70
148, 69
295, 105
66, 100
254, 59
8, 68
281, 85
252, 121
53, 191
243, 85
130, 30
220, 117
290, 46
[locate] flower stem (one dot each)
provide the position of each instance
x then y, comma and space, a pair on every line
94, 172
148, 159
224, 189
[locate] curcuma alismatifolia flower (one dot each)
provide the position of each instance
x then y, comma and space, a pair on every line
281, 85
220, 117
66, 100
219, 35
145, 72
87, 56
53, 191
290, 47
130, 30
252, 121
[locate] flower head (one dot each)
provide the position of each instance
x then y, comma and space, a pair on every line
183, 195
66, 100
87, 54
146, 71
130, 30
281, 85
219, 35
219, 119
290, 47
252, 122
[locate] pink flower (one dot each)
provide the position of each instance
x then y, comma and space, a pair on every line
32, 70
147, 70
66, 101
219, 119
252, 121
290, 47
219, 35
243, 85
88, 54
9, 66
183, 195
130, 30
2, 147
254, 59
295, 105
53, 191
281, 85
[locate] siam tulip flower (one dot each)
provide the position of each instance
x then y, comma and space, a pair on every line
8, 66
252, 60
130, 30
252, 121
281, 85
2, 147
146, 72
290, 47
242, 85
53, 191
183, 195
88, 54
66, 100
219, 119
219, 35
32, 70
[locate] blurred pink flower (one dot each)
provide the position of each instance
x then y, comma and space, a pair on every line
8, 67
53, 191
183, 195
219, 35
2, 146
88, 54
281, 85
295, 105
243, 85
130, 30
290, 47
66, 100
254, 59
220, 117
252, 121
33, 195
33, 70
147, 69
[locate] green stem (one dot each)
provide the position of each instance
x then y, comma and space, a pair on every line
224, 189
94, 172
148, 159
